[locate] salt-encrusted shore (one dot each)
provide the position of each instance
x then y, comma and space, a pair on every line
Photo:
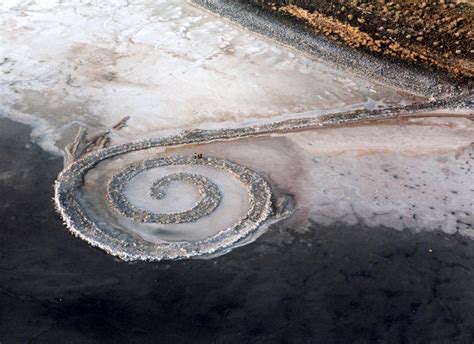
171, 66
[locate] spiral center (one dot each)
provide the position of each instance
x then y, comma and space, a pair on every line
203, 184
209, 193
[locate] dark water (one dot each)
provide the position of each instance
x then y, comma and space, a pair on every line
330, 285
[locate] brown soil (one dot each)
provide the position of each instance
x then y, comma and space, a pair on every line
436, 32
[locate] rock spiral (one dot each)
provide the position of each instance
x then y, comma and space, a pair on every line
117, 236
119, 239
209, 192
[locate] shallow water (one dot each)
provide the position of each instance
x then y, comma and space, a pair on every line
339, 283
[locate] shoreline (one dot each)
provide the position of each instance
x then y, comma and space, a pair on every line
292, 33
